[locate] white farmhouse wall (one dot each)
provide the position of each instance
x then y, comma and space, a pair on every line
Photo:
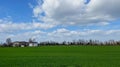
30, 44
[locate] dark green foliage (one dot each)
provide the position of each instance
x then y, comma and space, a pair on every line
61, 56
81, 43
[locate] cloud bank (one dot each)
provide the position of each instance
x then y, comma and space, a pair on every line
52, 13
77, 12
63, 34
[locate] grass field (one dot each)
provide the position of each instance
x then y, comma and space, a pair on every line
61, 56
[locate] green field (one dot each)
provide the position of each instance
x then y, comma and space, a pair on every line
61, 56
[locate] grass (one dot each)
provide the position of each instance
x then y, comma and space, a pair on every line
61, 56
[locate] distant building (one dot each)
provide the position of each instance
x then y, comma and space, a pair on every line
20, 44
30, 43
24, 44
33, 44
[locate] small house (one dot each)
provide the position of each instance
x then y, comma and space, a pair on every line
20, 44
33, 44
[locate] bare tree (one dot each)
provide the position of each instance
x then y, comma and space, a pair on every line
8, 41
30, 40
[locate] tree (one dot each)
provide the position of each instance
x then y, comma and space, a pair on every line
8, 41
31, 40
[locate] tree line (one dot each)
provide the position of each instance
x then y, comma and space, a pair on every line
80, 42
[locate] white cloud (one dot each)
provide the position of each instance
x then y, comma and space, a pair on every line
9, 26
99, 7
65, 12
64, 32
75, 12
63, 35
23, 36
67, 35
37, 11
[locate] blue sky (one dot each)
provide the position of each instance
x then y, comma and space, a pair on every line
59, 20
18, 10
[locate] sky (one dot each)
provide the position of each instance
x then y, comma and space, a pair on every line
59, 20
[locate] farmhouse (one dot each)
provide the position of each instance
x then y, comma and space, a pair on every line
33, 44
24, 44
20, 44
